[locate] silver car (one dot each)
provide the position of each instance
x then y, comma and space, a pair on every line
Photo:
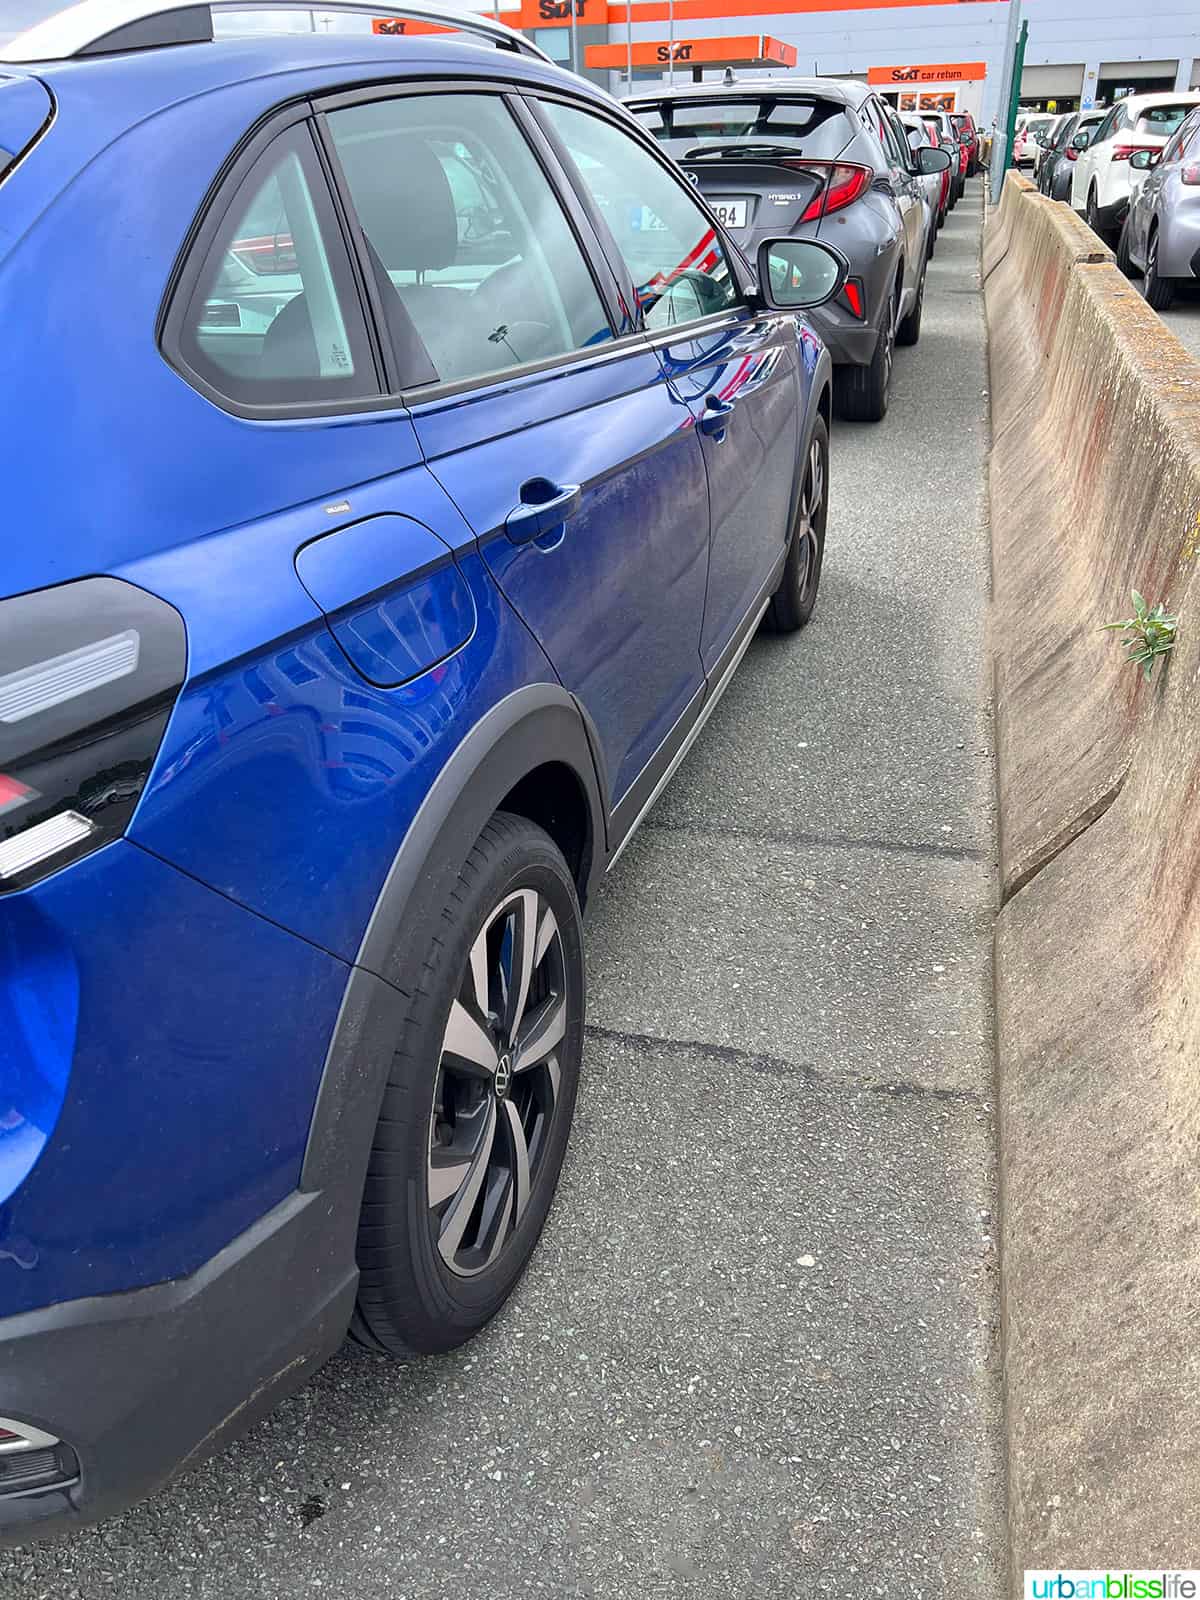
819, 158
935, 184
1160, 236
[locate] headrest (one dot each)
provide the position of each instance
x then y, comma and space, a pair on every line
403, 201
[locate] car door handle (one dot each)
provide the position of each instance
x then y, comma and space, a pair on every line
716, 417
544, 507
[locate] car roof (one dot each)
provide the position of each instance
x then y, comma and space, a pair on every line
148, 81
849, 91
1163, 97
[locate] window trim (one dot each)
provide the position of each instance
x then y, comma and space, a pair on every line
741, 271
590, 248
193, 253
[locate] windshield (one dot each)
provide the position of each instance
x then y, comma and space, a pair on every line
761, 118
1163, 119
17, 15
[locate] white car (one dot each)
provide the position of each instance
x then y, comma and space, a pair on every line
1100, 183
1043, 137
1023, 140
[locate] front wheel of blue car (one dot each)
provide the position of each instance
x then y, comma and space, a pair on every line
479, 1101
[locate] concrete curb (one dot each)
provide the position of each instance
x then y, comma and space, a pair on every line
1095, 489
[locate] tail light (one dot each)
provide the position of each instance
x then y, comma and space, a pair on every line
844, 182
1190, 173
1071, 153
1122, 152
853, 299
963, 156
89, 672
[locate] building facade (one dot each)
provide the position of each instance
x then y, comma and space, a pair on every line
1080, 52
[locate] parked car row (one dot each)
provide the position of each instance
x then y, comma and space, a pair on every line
1058, 152
1160, 235
824, 159
1134, 172
436, 444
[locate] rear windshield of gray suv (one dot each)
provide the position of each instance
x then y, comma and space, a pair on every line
770, 118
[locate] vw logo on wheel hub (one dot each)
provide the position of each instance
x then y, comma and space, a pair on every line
503, 1075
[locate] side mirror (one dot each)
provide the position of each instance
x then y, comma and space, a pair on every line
797, 274
1143, 160
1081, 141
931, 160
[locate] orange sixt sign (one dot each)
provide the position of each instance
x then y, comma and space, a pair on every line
936, 72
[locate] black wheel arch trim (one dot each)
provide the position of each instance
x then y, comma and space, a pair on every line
537, 724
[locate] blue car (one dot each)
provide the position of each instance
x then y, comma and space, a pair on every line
398, 460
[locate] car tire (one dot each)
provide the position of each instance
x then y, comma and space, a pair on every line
792, 603
909, 330
1092, 214
862, 392
1124, 260
463, 1166
1159, 292
932, 245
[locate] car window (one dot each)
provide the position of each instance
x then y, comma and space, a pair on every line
1105, 128
274, 317
672, 250
1162, 119
1191, 133
760, 117
471, 248
1173, 148
897, 143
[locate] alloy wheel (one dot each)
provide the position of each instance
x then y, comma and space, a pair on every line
498, 1083
812, 496
889, 348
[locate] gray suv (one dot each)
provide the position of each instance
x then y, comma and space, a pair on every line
821, 158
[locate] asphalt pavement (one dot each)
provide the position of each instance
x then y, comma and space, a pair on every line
756, 1354
1183, 318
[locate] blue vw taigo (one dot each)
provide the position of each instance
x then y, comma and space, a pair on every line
397, 461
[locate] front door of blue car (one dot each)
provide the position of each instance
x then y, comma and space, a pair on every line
737, 369
550, 425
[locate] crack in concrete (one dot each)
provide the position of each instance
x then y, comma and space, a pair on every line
776, 1066
951, 852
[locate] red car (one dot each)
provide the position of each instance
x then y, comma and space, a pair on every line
964, 124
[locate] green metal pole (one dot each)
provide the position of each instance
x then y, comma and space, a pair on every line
1014, 98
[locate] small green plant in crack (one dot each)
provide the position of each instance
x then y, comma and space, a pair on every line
1150, 633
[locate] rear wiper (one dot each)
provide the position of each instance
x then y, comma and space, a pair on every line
703, 151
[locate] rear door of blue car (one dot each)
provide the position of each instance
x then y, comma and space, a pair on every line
539, 406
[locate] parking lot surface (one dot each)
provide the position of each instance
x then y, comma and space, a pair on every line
755, 1354
1183, 319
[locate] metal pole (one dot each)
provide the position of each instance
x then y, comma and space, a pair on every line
629, 44
574, 37
1000, 144
670, 41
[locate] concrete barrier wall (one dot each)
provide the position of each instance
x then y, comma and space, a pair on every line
1095, 411
1095, 488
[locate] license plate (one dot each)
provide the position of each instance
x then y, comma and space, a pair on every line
730, 213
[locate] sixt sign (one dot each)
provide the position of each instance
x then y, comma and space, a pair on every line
929, 72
